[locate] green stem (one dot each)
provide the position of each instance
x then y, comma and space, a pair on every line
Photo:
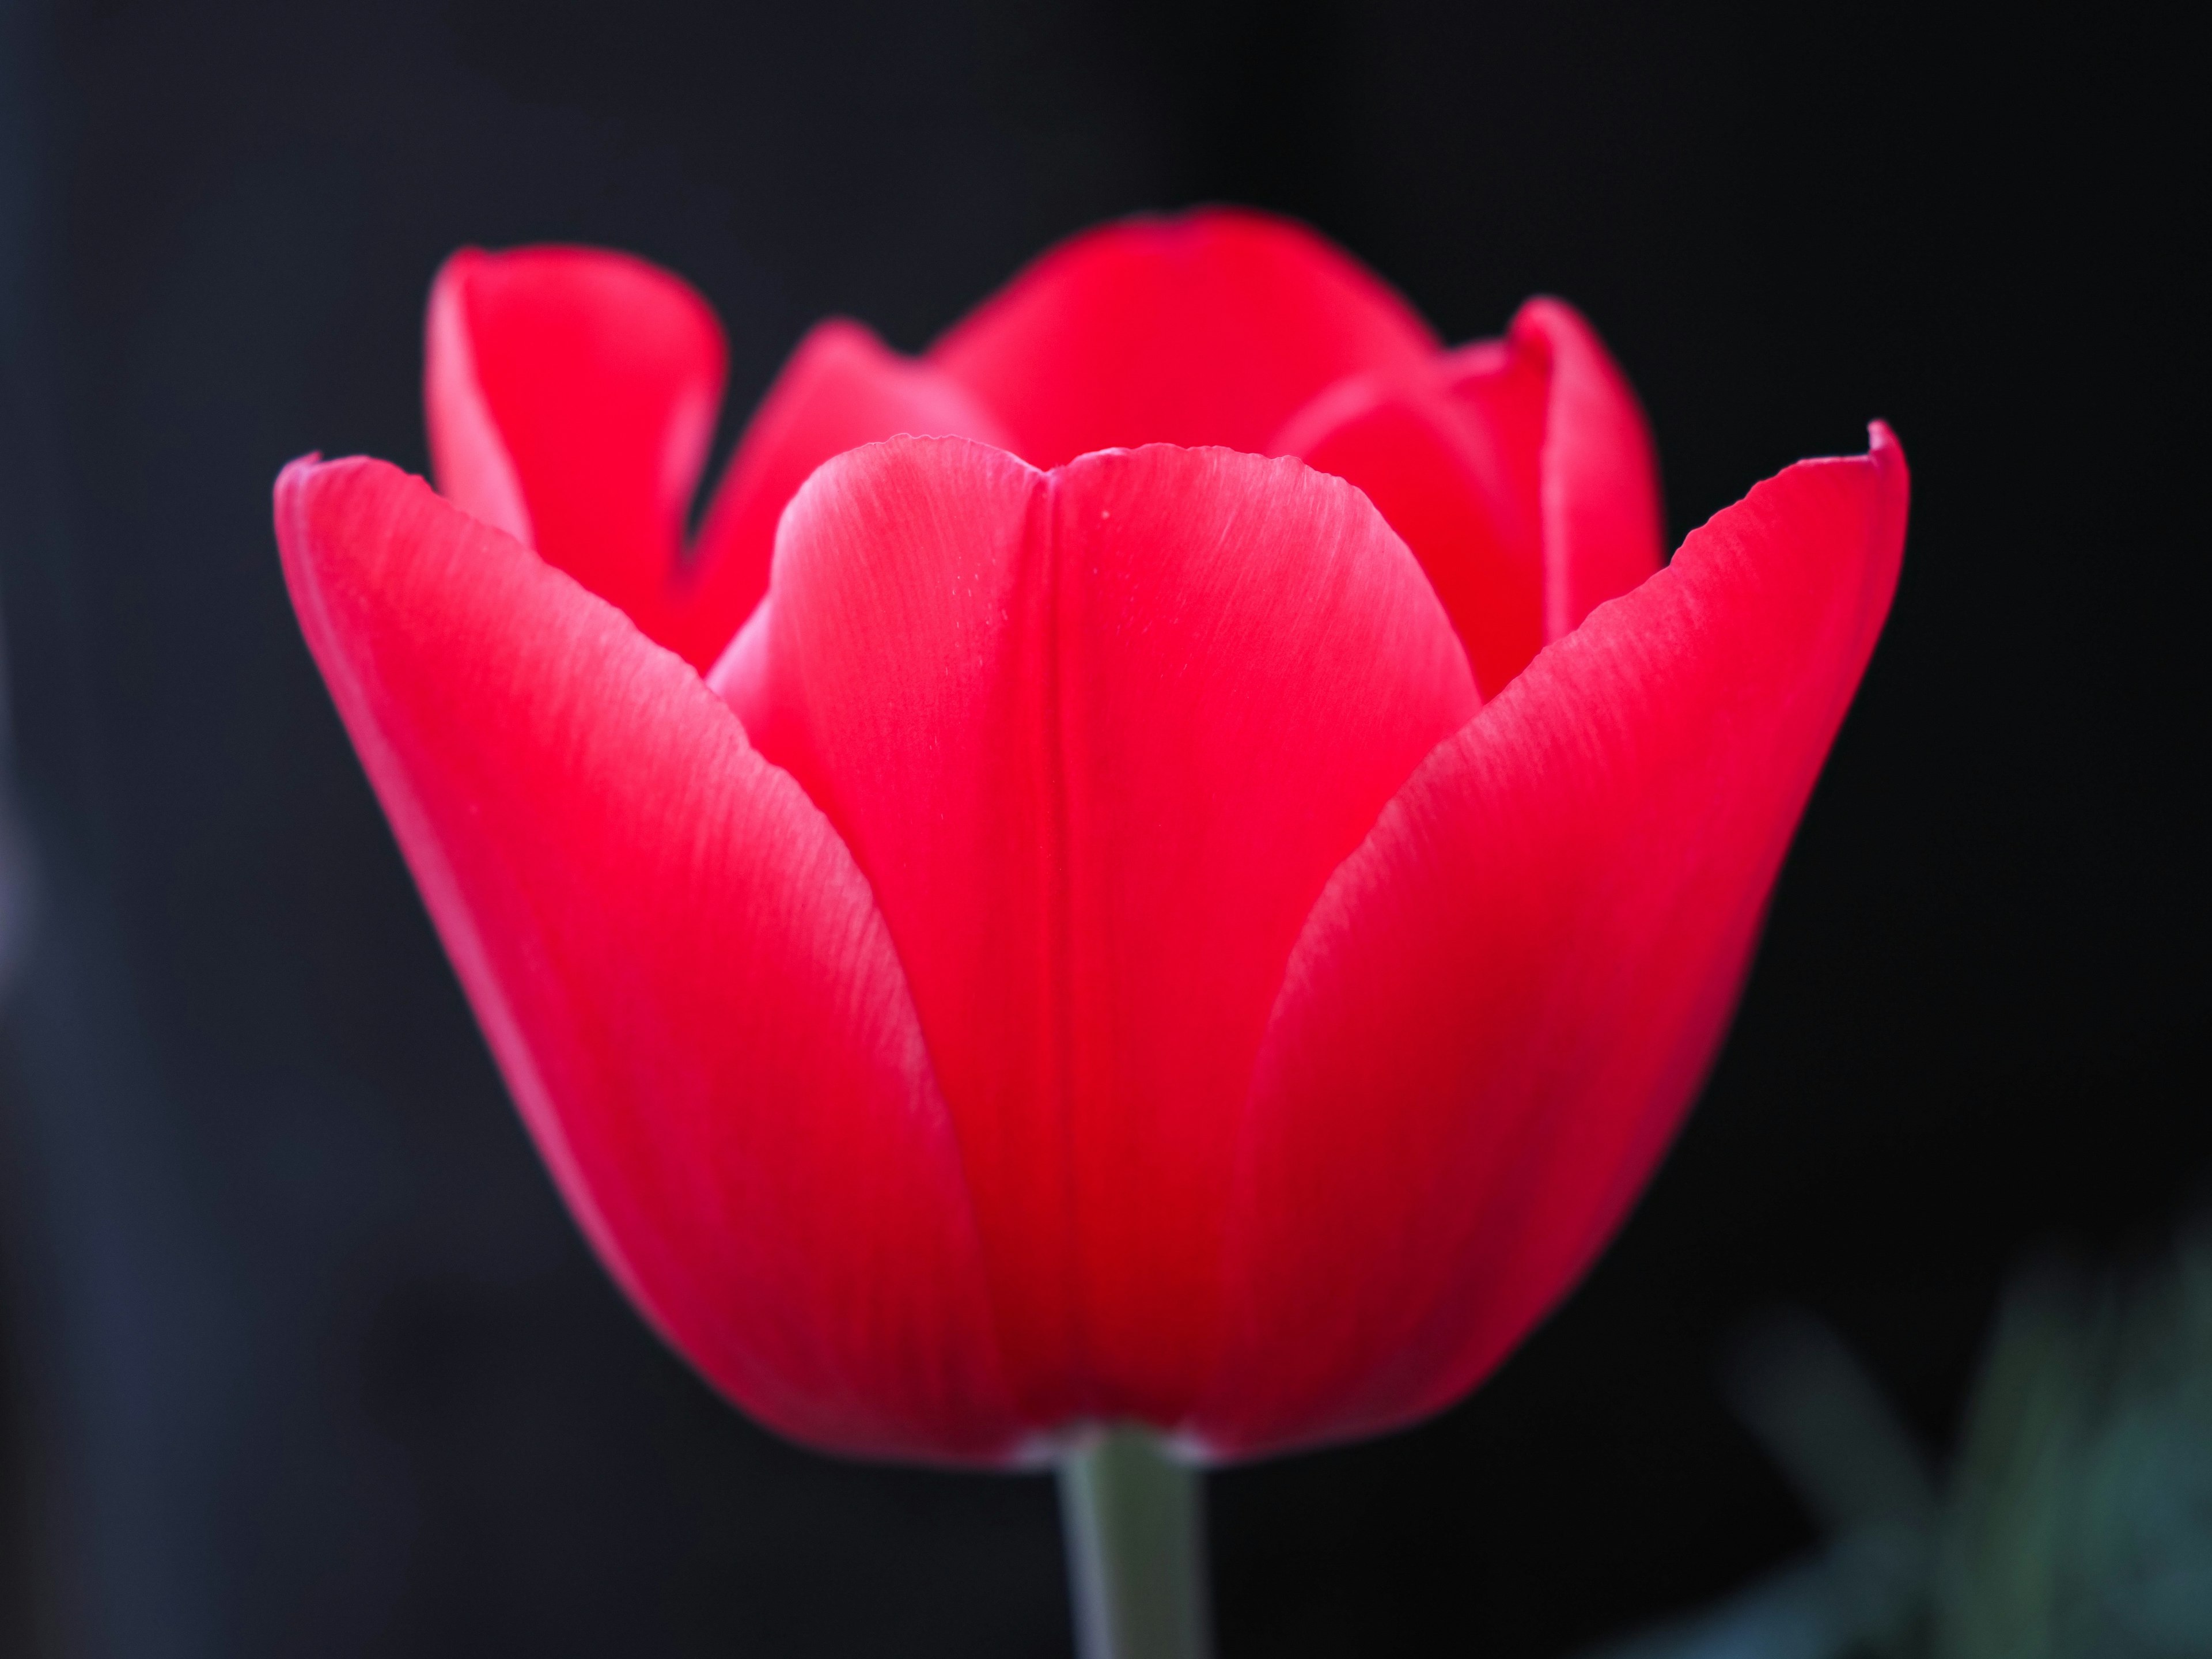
1136, 1551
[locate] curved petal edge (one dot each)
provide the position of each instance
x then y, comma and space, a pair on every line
841, 388
1206, 328
571, 394
681, 972
1097, 737
1516, 985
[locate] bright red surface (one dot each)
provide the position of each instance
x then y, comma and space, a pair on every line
678, 964
1211, 328
1097, 738
1173, 936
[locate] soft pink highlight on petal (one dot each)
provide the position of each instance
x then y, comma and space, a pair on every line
470, 456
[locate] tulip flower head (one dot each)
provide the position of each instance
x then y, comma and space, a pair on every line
1177, 858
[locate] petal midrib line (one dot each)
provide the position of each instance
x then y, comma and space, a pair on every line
1223, 666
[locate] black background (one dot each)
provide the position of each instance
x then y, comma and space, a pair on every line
301, 1354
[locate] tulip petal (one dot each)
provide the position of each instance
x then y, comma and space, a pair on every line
1558, 408
1097, 738
679, 969
1447, 481
1501, 1007
1212, 327
571, 395
1519, 470
841, 388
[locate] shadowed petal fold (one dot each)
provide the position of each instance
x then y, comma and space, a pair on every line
679, 969
1497, 1013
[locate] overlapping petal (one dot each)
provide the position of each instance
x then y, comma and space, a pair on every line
680, 970
1497, 1013
571, 395
841, 388
1448, 484
1209, 328
1519, 470
1097, 737
1558, 408
916, 1042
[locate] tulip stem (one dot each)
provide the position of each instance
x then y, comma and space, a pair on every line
1136, 1551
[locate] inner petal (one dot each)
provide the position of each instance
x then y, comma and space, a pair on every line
1450, 483
571, 394
1097, 738
1210, 328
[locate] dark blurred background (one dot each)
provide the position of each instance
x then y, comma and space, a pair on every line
299, 1353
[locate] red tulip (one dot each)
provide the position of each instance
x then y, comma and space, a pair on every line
1124, 941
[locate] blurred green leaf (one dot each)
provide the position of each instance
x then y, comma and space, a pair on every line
2077, 1522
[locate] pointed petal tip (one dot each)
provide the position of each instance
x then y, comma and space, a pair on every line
1887, 450
1884, 449
294, 473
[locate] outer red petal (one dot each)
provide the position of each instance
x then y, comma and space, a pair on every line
1559, 409
678, 967
1213, 327
571, 395
842, 388
1097, 738
1501, 1006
